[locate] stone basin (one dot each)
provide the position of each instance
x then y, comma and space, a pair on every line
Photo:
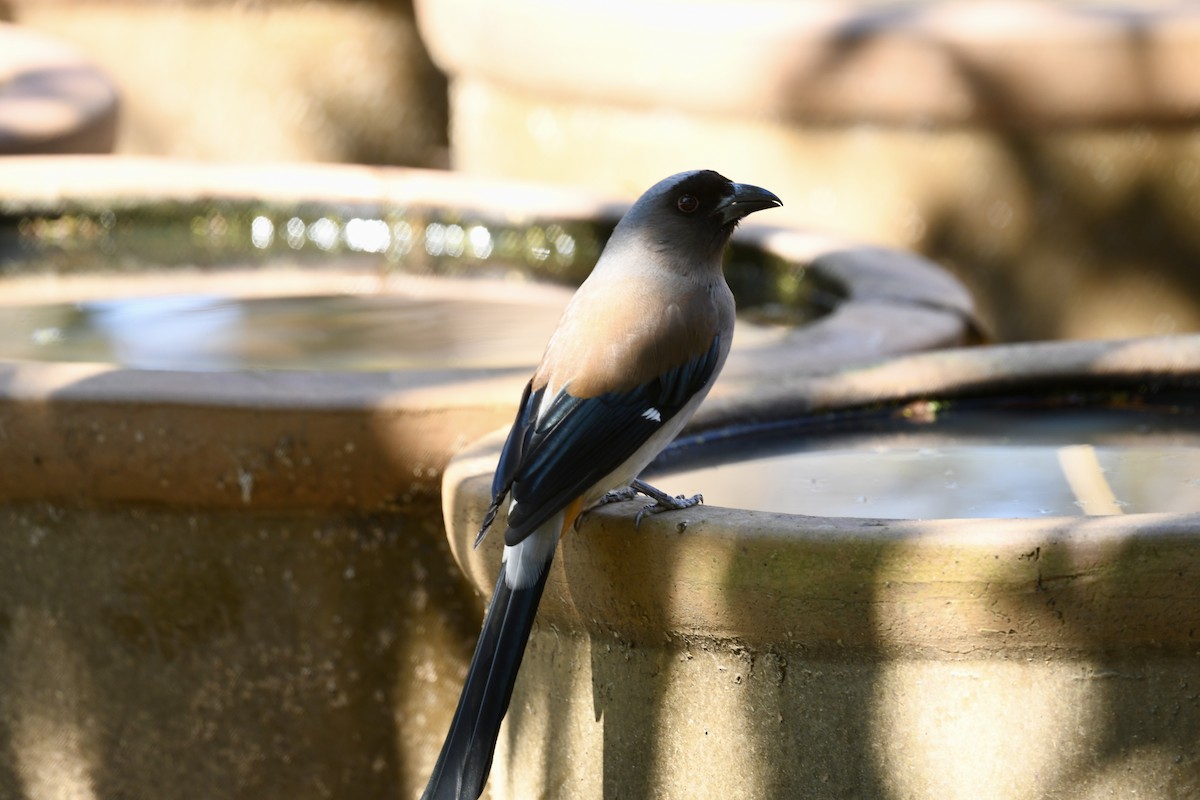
236, 581
725, 652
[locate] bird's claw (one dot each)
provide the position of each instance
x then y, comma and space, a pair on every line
667, 503
662, 501
617, 496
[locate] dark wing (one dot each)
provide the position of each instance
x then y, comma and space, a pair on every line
549, 461
510, 456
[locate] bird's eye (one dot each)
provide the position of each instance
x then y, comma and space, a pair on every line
687, 203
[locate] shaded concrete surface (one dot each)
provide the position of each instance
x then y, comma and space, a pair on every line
192, 653
908, 660
204, 594
884, 681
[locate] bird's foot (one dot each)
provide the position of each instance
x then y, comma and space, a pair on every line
617, 496
662, 501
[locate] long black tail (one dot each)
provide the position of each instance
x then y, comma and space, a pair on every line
466, 757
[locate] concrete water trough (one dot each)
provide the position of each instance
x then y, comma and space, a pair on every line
227, 399
964, 574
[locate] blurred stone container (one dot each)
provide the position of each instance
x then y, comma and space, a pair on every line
1049, 152
272, 80
52, 100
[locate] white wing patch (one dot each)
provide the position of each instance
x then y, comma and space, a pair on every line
652, 415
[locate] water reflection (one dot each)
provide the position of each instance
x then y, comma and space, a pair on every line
975, 465
324, 233
214, 332
368, 235
262, 233
224, 232
212, 329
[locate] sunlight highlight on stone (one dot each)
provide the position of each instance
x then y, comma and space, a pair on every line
49, 708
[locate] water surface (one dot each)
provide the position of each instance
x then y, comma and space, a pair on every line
212, 331
978, 464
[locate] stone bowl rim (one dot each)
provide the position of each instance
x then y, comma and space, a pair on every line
923, 305
952, 588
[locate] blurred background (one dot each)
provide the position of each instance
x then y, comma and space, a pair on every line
1042, 151
259, 81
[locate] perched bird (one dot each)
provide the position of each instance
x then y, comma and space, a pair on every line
637, 349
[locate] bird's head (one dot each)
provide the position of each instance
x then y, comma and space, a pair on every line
691, 214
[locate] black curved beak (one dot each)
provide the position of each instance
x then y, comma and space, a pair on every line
745, 200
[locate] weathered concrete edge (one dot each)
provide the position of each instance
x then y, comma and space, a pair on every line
957, 588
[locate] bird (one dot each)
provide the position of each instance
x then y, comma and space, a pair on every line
636, 351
